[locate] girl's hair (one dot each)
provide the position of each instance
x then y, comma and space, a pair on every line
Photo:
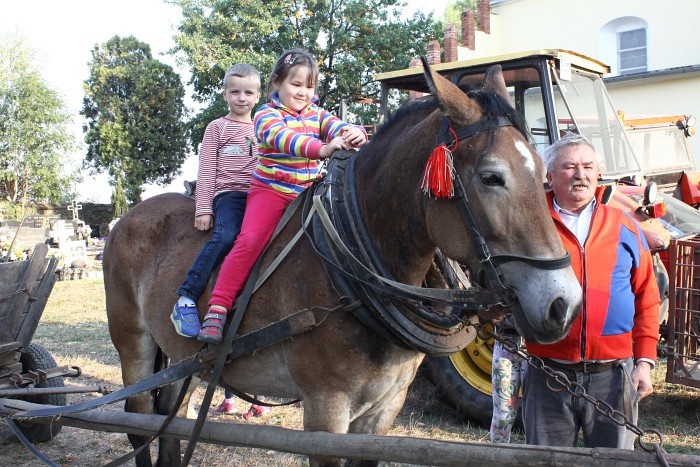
241, 70
288, 60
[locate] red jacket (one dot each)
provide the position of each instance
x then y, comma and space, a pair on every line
620, 310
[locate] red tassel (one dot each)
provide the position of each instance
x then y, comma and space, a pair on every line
438, 177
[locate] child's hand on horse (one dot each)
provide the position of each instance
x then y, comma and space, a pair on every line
204, 222
354, 137
336, 144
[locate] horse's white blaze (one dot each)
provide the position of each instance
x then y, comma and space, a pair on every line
525, 152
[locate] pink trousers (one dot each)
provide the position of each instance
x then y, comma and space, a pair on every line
264, 209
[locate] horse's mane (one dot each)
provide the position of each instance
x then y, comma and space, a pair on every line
413, 112
407, 115
494, 106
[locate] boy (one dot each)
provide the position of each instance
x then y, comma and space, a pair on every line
227, 157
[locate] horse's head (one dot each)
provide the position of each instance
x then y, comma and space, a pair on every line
497, 221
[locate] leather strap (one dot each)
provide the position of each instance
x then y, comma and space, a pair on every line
584, 367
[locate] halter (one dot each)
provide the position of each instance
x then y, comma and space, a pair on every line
489, 263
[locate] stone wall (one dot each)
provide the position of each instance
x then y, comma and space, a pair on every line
97, 216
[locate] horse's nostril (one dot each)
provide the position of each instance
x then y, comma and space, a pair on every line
557, 311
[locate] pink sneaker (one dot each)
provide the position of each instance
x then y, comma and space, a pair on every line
256, 411
226, 408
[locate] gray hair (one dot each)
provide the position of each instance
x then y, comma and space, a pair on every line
551, 153
241, 70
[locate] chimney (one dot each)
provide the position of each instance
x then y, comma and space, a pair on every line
450, 43
433, 54
468, 40
483, 10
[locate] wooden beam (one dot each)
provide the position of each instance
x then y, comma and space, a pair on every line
356, 446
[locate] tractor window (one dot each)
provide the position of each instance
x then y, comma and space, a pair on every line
582, 105
523, 84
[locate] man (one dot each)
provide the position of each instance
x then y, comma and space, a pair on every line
610, 349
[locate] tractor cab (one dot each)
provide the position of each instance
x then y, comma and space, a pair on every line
555, 90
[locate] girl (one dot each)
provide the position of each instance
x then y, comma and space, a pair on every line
293, 134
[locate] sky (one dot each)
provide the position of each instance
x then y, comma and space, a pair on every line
64, 32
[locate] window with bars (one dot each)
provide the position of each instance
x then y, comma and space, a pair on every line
632, 51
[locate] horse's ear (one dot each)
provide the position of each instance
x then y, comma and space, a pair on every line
452, 100
494, 82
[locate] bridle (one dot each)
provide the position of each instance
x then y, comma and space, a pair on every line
488, 262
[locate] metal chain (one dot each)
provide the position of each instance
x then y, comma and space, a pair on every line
558, 382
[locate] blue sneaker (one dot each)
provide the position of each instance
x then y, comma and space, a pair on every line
186, 320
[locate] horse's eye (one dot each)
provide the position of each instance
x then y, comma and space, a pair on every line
491, 179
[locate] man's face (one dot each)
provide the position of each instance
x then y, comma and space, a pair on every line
574, 178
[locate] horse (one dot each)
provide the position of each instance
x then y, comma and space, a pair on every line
351, 376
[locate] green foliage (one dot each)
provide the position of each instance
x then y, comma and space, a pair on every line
453, 14
351, 39
119, 199
35, 143
15, 211
135, 113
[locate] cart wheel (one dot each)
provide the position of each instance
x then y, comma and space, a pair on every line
37, 358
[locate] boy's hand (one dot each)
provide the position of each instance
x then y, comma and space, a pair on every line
204, 222
354, 137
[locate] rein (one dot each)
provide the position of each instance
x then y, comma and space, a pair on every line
488, 262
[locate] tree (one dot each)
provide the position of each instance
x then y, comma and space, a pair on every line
119, 198
134, 113
453, 13
35, 142
351, 39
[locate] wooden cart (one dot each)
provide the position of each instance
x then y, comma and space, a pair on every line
27, 370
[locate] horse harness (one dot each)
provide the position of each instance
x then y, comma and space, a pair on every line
489, 263
399, 312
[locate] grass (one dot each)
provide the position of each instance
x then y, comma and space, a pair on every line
74, 329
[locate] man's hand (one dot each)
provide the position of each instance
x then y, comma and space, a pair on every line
204, 222
641, 378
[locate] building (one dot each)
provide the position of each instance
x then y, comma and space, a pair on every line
653, 71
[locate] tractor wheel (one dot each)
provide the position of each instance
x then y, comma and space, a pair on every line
38, 358
463, 381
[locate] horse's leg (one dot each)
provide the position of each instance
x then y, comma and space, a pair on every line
138, 352
376, 422
169, 449
138, 360
326, 412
